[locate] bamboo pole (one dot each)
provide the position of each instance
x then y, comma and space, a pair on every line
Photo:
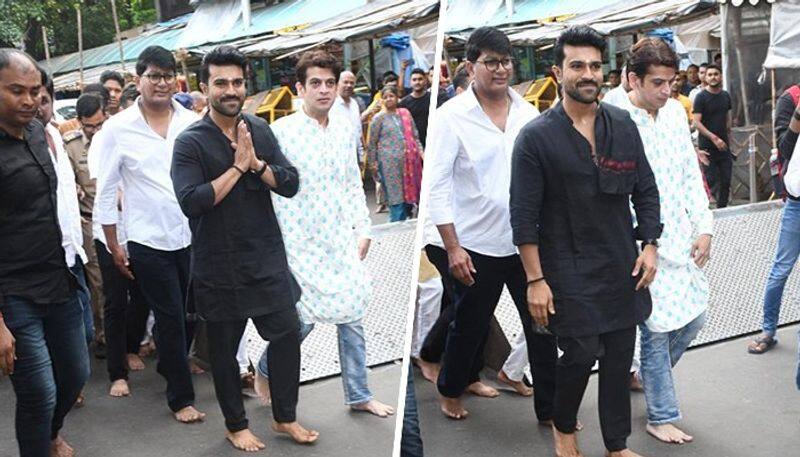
119, 35
80, 46
46, 49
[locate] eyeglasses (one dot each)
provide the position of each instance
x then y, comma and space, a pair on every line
494, 64
155, 78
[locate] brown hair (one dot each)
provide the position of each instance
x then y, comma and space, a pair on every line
651, 51
320, 59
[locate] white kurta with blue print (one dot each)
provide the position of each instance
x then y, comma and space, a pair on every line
322, 223
680, 290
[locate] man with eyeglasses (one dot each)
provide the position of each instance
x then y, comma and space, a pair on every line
135, 153
469, 178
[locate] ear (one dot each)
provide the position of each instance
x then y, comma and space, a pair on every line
634, 82
204, 88
557, 73
470, 69
301, 90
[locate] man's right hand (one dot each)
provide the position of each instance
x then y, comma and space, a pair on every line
540, 302
121, 261
460, 264
7, 349
721, 146
244, 151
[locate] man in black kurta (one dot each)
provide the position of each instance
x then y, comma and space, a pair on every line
571, 218
224, 168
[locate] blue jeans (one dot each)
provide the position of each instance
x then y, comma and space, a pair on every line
352, 359
84, 299
399, 212
785, 258
52, 367
660, 352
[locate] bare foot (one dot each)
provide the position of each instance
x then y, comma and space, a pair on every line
189, 414
452, 408
482, 390
549, 423
374, 407
195, 368
668, 433
248, 380
261, 386
119, 388
299, 434
135, 363
636, 382
60, 448
518, 386
566, 444
430, 371
244, 440
622, 453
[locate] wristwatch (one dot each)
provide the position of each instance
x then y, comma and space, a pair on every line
650, 241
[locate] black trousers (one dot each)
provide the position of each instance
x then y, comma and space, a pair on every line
718, 175
614, 351
474, 307
163, 278
124, 315
433, 346
282, 330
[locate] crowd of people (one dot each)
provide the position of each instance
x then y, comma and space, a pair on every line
182, 206
601, 247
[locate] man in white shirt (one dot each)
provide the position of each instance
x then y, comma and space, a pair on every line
346, 105
469, 178
680, 291
136, 149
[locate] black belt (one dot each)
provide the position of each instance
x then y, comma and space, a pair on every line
86, 214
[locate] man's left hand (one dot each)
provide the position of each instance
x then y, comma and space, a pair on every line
647, 264
363, 247
701, 250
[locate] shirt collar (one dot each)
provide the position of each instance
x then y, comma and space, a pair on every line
471, 100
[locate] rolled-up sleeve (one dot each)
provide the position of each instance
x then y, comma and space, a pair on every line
194, 193
527, 191
286, 176
443, 146
645, 197
108, 176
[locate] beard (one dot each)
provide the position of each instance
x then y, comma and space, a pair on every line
220, 106
574, 91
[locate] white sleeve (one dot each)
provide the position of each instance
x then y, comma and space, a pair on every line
443, 147
696, 198
356, 200
108, 176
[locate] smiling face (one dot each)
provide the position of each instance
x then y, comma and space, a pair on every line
581, 73
491, 72
226, 89
20, 95
319, 90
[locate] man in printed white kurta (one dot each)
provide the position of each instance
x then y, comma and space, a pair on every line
326, 226
680, 291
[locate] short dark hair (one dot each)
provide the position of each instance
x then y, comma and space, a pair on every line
692, 65
47, 82
319, 59
98, 89
704, 64
651, 51
714, 67
111, 74
487, 39
391, 77
222, 55
419, 71
578, 35
461, 78
7, 54
157, 57
614, 72
388, 73
88, 105
129, 93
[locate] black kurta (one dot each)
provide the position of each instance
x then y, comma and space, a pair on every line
239, 266
578, 212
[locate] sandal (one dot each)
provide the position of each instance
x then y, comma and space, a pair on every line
761, 344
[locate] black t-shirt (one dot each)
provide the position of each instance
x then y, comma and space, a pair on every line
418, 107
714, 109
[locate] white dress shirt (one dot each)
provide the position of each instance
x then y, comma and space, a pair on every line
130, 155
353, 114
69, 216
617, 96
469, 173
